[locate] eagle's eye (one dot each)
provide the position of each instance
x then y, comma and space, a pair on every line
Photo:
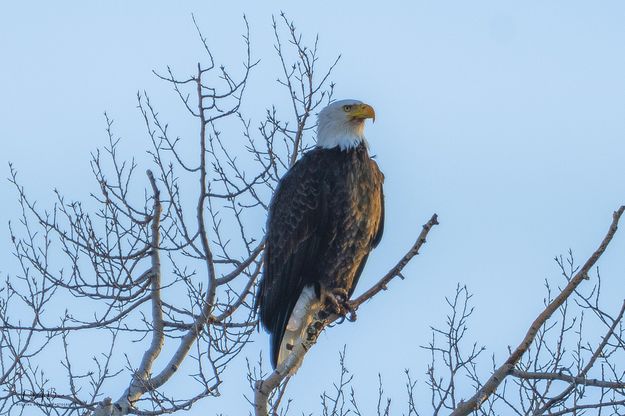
347, 108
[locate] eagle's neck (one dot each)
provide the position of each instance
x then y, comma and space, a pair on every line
340, 134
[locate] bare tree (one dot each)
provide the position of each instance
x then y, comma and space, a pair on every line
170, 261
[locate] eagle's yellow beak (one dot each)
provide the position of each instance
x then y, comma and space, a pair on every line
362, 111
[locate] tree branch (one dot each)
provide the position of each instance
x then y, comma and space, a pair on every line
593, 382
491, 385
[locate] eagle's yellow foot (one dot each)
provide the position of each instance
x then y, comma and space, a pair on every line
337, 301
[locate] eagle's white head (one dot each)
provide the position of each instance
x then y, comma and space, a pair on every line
342, 124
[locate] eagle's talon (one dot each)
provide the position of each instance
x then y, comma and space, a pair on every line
333, 303
352, 313
337, 300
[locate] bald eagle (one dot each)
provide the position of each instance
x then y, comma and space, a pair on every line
325, 217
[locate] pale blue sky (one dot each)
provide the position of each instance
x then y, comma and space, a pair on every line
508, 120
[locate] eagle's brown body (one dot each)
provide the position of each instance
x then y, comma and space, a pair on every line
324, 219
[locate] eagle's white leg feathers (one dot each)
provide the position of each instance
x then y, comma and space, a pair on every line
305, 308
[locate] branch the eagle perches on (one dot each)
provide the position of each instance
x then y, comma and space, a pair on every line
264, 388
